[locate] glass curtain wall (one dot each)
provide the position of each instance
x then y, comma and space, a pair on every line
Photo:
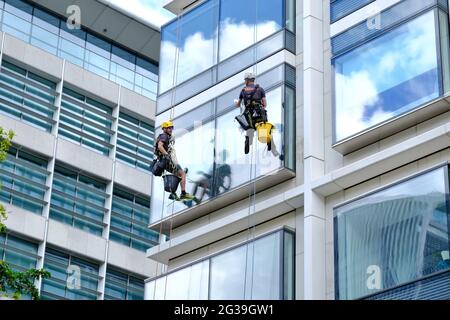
259, 270
393, 236
215, 31
210, 144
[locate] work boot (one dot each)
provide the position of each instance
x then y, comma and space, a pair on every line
173, 196
185, 196
247, 145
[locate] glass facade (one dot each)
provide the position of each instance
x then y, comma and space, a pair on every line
254, 271
135, 142
23, 179
71, 278
216, 161
129, 221
86, 122
393, 236
342, 8
81, 47
27, 96
395, 72
217, 39
78, 200
122, 286
20, 254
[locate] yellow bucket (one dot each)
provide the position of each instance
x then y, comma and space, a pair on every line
265, 132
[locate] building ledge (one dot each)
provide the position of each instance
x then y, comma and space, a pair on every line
395, 125
168, 223
264, 210
386, 160
178, 6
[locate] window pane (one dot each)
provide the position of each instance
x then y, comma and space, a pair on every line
227, 279
393, 236
198, 40
189, 284
386, 77
265, 273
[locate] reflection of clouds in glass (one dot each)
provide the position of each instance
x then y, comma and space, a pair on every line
366, 88
235, 37
354, 93
198, 53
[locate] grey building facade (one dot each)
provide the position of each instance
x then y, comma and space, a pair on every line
76, 183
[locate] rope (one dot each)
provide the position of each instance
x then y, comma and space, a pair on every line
172, 113
252, 190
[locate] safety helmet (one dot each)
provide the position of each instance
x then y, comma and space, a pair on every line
249, 76
167, 124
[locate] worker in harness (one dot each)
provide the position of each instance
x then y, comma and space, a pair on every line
254, 98
165, 152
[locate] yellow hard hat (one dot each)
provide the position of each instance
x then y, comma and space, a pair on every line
167, 124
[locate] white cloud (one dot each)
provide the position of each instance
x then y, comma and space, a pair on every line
149, 10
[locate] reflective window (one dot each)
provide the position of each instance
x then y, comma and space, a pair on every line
393, 236
214, 32
135, 142
190, 283
78, 200
196, 40
23, 179
122, 286
194, 144
252, 271
71, 278
129, 221
21, 255
210, 144
386, 77
27, 96
86, 122
244, 23
50, 33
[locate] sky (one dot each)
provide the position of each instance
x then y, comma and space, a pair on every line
149, 10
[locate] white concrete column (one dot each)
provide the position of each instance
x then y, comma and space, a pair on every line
109, 191
51, 169
314, 272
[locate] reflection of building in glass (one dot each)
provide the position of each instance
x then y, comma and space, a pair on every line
76, 183
359, 108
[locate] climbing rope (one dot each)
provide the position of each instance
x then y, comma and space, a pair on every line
172, 114
251, 225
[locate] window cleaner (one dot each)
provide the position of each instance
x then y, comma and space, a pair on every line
167, 161
254, 116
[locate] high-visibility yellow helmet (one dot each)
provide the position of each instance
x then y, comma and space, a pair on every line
167, 124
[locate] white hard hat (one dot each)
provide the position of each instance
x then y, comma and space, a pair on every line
249, 76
